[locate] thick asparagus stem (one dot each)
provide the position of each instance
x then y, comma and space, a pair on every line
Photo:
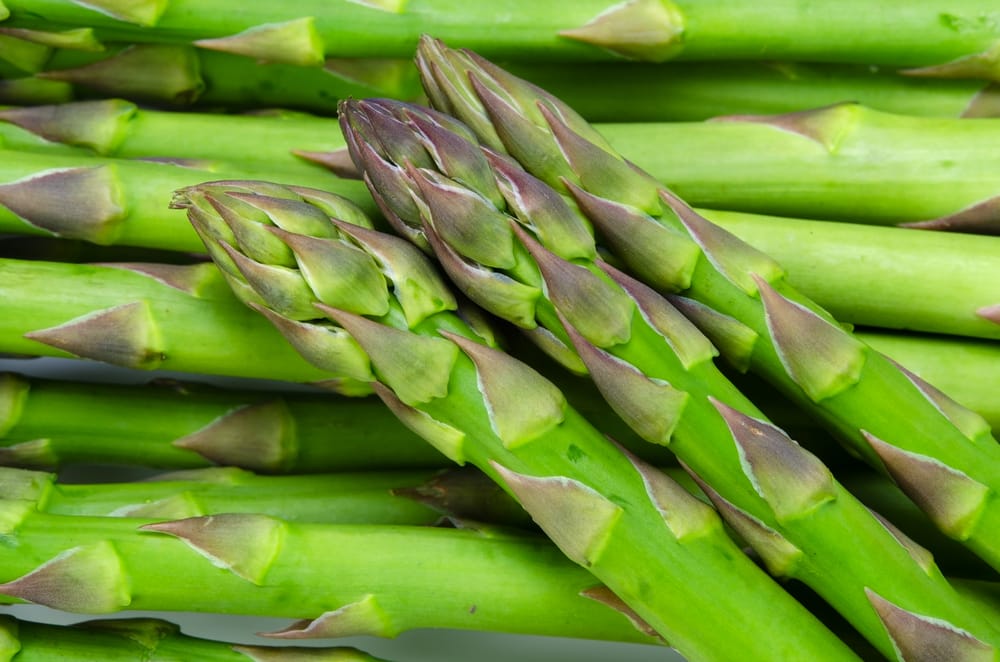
139, 640
346, 579
631, 526
958, 43
116, 200
519, 236
941, 454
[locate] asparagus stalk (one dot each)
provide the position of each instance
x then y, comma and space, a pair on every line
654, 367
339, 579
957, 43
141, 639
202, 328
631, 526
941, 454
115, 200
358, 498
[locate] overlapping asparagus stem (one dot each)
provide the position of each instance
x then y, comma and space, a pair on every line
942, 455
654, 367
116, 200
961, 42
141, 639
662, 552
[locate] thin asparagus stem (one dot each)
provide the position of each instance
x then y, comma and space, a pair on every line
601, 506
941, 454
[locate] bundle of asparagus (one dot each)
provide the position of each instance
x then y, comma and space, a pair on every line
257, 249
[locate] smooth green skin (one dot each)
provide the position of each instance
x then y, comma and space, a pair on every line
516, 582
921, 34
344, 498
128, 640
932, 281
147, 189
693, 91
209, 332
130, 425
33, 91
885, 169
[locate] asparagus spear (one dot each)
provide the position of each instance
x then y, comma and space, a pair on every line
654, 367
959, 42
942, 455
631, 526
141, 639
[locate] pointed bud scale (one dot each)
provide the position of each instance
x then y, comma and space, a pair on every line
990, 313
124, 335
661, 255
920, 638
969, 423
602, 172
333, 205
519, 136
417, 368
467, 221
88, 579
560, 228
244, 544
688, 343
293, 42
686, 516
74, 203
457, 157
447, 439
26, 57
556, 348
282, 289
34, 453
594, 305
826, 126
13, 394
950, 498
79, 39
980, 218
779, 555
295, 216
522, 405
736, 260
646, 30
337, 161
363, 617
25, 485
303, 653
99, 125
176, 506
250, 228
606, 597
920, 555
819, 356
416, 285
979, 65
496, 292
651, 407
389, 77
127, 74
792, 481
327, 347
574, 516
259, 436
390, 185
13, 514
140, 12
386, 130
194, 279
735, 339
339, 274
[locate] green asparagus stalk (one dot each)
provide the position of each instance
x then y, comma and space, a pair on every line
141, 639
201, 328
657, 548
960, 42
348, 498
941, 454
27, 91
334, 579
514, 246
116, 200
